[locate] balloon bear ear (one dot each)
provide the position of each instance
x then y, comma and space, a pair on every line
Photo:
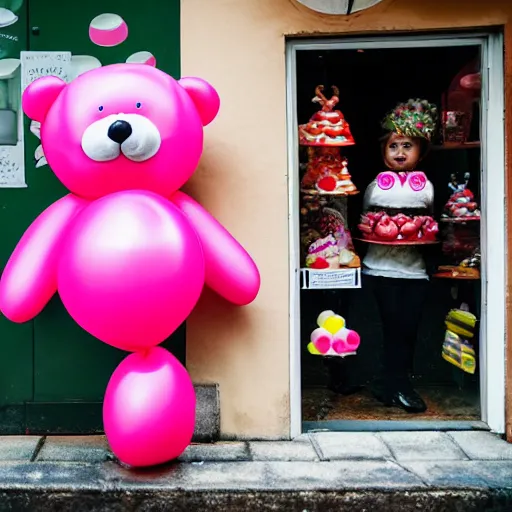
40, 95
204, 96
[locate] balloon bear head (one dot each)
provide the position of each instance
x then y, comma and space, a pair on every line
122, 127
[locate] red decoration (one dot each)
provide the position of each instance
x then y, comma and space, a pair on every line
400, 228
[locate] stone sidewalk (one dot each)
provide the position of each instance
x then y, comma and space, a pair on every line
469, 471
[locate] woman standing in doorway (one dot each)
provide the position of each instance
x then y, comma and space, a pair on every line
397, 274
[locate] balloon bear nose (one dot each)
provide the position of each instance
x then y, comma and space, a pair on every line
119, 131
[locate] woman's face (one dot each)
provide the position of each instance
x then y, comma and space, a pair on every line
402, 153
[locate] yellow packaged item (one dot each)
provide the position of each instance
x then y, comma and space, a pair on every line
461, 323
459, 352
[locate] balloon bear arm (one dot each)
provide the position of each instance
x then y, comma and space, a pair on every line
229, 270
29, 279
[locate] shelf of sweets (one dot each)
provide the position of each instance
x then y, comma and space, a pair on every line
465, 268
459, 220
455, 275
327, 249
398, 242
456, 145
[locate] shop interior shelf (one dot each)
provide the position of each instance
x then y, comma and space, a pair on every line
456, 277
342, 278
457, 145
459, 220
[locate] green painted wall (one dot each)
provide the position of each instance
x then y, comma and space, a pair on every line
52, 373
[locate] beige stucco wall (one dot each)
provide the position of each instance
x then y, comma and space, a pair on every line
239, 46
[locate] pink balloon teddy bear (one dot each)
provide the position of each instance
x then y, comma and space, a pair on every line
127, 251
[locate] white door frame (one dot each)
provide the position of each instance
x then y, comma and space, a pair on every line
493, 239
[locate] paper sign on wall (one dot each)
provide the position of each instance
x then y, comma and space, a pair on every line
34, 65
331, 279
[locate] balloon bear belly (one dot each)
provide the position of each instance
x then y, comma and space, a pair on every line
131, 269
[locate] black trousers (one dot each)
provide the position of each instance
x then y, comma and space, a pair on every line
400, 305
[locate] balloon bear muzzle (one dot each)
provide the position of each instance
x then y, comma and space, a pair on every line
131, 135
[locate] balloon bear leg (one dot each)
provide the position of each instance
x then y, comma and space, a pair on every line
149, 408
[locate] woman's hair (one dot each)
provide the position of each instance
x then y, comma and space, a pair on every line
414, 118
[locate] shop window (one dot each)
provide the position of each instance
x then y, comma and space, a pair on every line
390, 223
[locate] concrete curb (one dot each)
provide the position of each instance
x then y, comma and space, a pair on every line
240, 486
261, 501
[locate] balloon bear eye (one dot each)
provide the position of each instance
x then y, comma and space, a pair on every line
100, 108
138, 105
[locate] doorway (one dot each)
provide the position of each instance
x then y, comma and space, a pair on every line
369, 77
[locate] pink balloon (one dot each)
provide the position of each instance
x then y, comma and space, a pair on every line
149, 408
131, 269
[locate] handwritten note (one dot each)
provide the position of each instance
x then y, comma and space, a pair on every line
37, 64
330, 279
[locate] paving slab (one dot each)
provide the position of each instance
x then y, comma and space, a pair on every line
482, 445
341, 475
282, 451
468, 474
75, 449
216, 452
47, 476
498, 474
19, 447
417, 446
350, 445
203, 477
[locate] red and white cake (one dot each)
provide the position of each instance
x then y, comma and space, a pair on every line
327, 127
327, 173
461, 206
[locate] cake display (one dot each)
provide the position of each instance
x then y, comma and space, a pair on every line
327, 127
327, 173
396, 209
326, 241
461, 206
327, 131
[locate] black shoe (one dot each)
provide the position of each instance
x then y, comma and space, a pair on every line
408, 400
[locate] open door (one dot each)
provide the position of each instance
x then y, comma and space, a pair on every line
457, 370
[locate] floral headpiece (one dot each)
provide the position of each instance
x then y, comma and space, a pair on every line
416, 118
